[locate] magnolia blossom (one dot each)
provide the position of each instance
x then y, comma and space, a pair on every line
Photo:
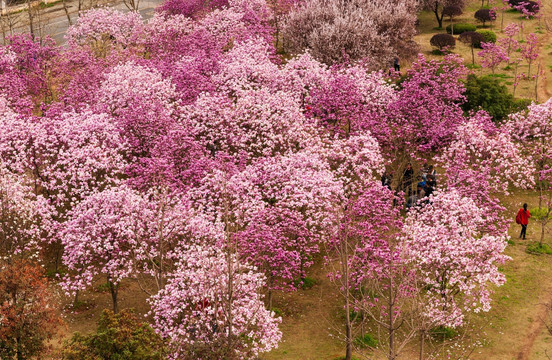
106, 24
456, 261
211, 305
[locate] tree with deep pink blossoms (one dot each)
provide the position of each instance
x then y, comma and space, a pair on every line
426, 112
278, 243
530, 50
212, 306
190, 8
533, 130
24, 65
457, 261
492, 56
508, 43
351, 101
142, 103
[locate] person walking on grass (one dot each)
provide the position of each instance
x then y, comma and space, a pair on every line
522, 218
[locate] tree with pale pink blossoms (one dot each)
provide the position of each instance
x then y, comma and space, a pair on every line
456, 259
337, 31
120, 233
530, 50
241, 20
212, 306
105, 29
102, 238
482, 162
533, 130
68, 158
22, 219
366, 265
356, 161
302, 182
257, 124
492, 56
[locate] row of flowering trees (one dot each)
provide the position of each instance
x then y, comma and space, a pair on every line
182, 153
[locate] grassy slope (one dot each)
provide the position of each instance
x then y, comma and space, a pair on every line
527, 88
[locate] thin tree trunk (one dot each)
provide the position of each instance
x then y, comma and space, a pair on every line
422, 339
30, 12
391, 325
114, 288
66, 9
348, 329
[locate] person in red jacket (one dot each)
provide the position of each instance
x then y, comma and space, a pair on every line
522, 218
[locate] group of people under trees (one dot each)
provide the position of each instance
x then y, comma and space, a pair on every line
419, 193
422, 188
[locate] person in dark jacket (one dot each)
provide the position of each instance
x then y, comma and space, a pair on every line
396, 64
408, 177
522, 218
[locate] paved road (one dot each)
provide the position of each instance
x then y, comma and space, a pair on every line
57, 24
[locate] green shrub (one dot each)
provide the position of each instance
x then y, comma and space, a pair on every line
537, 249
277, 311
105, 287
118, 336
488, 93
522, 104
541, 214
305, 283
488, 36
461, 28
442, 333
366, 341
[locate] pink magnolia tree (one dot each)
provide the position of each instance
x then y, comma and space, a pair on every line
530, 50
257, 124
351, 101
23, 220
104, 29
533, 130
508, 43
120, 233
336, 31
212, 306
193, 8
69, 158
24, 66
367, 267
482, 162
456, 259
103, 237
492, 56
